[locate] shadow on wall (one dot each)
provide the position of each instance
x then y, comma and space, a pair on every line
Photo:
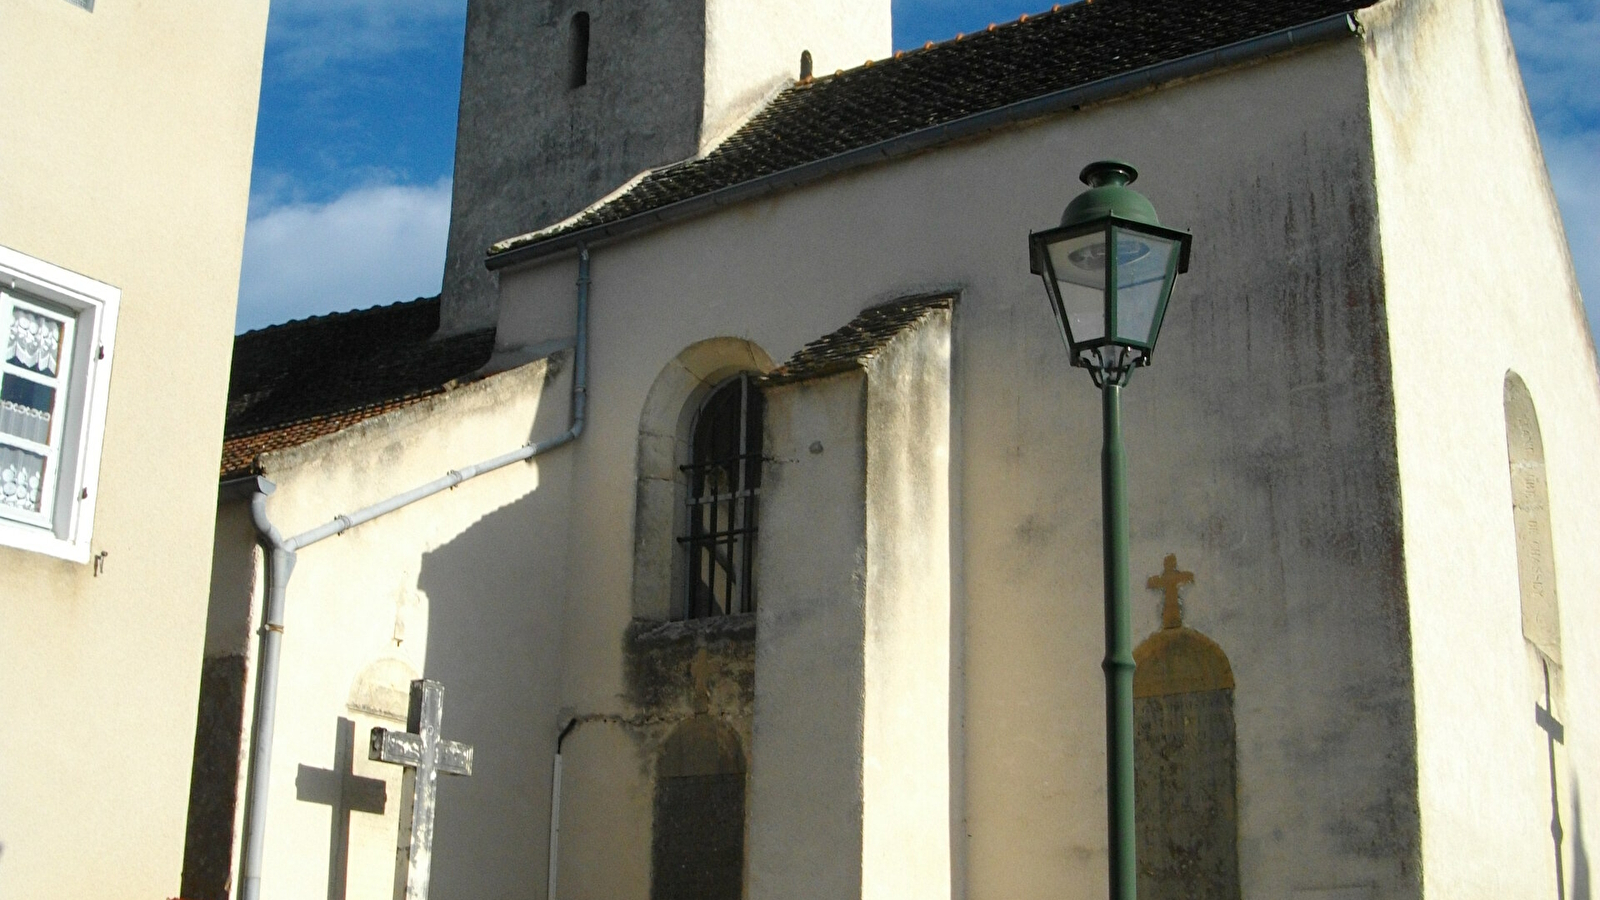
344, 791
495, 596
1580, 853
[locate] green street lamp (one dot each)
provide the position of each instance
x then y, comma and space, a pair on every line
1108, 271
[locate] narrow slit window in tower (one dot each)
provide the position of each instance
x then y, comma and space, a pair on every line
578, 51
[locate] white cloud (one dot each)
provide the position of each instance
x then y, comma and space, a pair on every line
304, 36
373, 245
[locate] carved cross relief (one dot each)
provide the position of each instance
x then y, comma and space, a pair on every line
1168, 583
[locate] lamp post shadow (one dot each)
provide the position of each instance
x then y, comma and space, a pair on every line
1580, 853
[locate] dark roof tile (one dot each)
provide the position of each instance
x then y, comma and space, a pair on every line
300, 380
1065, 48
858, 342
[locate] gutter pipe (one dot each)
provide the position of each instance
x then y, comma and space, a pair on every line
555, 808
281, 554
1250, 50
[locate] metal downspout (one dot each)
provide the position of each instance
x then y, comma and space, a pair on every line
555, 809
280, 563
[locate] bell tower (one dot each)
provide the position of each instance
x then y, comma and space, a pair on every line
562, 101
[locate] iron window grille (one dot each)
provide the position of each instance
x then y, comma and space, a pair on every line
723, 499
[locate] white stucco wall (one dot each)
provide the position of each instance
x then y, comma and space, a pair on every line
466, 588
850, 778
1261, 453
804, 828
905, 747
126, 158
1480, 282
753, 48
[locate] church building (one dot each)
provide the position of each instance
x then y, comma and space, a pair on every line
741, 495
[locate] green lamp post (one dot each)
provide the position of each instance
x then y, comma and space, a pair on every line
1108, 271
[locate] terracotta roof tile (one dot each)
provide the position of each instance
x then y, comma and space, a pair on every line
294, 382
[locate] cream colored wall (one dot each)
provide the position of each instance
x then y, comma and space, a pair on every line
804, 826
464, 587
905, 747
754, 48
1260, 444
125, 156
850, 769
1480, 282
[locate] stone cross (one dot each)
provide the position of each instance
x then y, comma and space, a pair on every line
346, 792
1167, 582
424, 754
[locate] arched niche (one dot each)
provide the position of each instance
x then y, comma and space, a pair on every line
1530, 509
697, 844
1186, 768
664, 434
383, 689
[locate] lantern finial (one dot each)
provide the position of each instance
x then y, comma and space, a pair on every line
1108, 173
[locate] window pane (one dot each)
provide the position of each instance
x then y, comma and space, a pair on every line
25, 408
34, 342
724, 474
1142, 265
21, 474
1079, 264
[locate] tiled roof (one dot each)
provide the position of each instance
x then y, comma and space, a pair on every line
301, 380
1068, 47
856, 343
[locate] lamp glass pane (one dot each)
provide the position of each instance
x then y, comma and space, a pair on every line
1144, 263
1079, 264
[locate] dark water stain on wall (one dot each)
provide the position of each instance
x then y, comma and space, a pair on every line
692, 687
213, 782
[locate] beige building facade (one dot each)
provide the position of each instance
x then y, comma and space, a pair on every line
1360, 491
124, 176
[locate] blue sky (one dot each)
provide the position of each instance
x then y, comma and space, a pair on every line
350, 195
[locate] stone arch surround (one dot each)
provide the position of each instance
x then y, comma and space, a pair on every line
664, 426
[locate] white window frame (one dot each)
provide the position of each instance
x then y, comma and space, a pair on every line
65, 533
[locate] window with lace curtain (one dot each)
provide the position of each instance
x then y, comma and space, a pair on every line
34, 383
55, 332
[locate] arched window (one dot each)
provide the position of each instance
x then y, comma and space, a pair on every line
724, 477
578, 51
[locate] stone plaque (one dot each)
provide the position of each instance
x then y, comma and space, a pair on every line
697, 851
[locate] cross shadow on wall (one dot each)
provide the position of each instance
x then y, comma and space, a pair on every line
344, 791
